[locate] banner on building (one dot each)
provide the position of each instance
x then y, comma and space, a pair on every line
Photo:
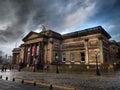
28, 50
33, 50
37, 50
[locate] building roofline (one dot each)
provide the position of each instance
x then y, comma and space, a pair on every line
93, 30
31, 32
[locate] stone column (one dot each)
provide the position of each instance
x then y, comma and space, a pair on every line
42, 53
52, 55
35, 45
39, 53
29, 60
101, 49
86, 51
25, 54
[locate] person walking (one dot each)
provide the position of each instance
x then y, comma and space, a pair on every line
33, 68
2, 69
5, 67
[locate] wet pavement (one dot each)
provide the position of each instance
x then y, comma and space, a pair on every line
83, 81
9, 85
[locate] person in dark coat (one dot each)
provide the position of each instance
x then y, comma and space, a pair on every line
2, 69
5, 68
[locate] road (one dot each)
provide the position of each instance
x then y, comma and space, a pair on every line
67, 81
9, 85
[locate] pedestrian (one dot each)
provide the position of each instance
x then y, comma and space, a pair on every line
47, 68
20, 65
10, 67
2, 69
19, 68
5, 68
33, 68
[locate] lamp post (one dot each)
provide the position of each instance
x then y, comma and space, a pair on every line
97, 68
57, 70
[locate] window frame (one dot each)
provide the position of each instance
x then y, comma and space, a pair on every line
63, 57
81, 56
72, 57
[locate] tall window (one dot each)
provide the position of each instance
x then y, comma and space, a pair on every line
56, 56
72, 57
63, 57
82, 57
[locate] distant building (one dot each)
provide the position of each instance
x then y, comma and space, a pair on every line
118, 50
77, 47
114, 49
16, 55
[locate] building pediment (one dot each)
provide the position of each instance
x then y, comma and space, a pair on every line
31, 35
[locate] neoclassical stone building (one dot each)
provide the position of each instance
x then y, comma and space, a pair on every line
114, 49
79, 47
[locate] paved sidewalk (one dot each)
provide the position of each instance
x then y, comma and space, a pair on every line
9, 85
69, 81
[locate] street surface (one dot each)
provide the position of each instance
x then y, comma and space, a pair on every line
9, 85
83, 81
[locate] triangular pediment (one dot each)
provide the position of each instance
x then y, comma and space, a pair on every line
31, 35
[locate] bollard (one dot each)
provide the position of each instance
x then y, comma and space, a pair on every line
34, 83
6, 78
22, 81
51, 87
13, 79
1, 76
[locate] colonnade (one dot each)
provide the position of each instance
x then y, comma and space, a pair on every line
34, 52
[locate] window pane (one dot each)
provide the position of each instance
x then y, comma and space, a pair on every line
82, 56
72, 57
63, 57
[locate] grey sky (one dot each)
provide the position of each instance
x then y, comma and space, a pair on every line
19, 17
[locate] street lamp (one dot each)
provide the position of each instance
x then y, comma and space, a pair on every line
57, 71
97, 69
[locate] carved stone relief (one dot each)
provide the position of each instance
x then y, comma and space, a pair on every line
93, 43
75, 45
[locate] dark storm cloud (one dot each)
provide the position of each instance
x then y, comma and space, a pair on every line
18, 17
107, 14
10, 27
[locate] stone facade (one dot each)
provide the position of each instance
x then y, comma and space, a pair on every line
114, 48
80, 47
16, 56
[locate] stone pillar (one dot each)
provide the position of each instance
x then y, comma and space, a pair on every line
86, 52
50, 50
52, 55
42, 53
39, 53
29, 59
25, 54
101, 49
35, 49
